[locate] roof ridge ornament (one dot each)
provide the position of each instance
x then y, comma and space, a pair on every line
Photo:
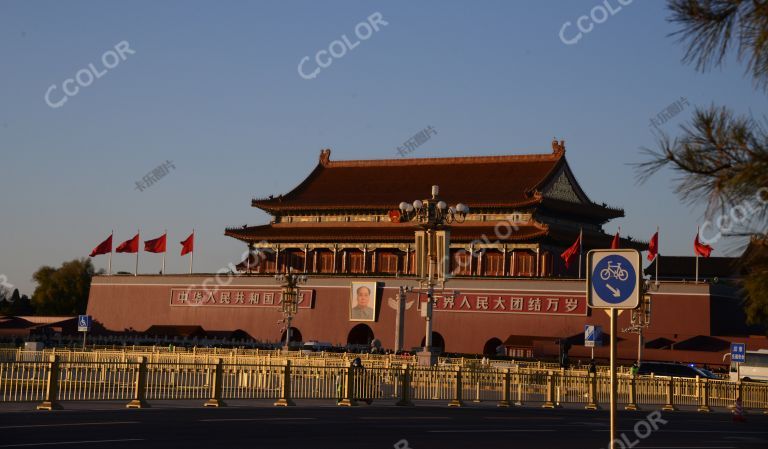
325, 156
558, 149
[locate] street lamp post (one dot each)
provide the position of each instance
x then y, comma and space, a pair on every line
641, 319
290, 300
432, 215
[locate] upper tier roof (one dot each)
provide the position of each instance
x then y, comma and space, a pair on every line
485, 181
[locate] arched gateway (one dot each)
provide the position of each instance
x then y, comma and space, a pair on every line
360, 335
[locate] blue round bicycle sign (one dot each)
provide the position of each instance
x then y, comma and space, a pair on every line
614, 279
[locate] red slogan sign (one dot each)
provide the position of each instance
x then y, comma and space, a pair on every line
236, 297
523, 303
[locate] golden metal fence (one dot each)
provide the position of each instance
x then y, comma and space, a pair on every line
23, 381
164, 354
109, 375
82, 381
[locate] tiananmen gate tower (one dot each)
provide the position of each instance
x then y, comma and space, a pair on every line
506, 284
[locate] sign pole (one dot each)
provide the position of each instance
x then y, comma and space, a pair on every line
613, 378
614, 283
83, 325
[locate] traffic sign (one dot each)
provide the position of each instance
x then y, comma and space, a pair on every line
613, 278
83, 323
593, 336
738, 352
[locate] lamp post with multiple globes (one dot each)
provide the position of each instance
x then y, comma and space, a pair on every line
290, 300
432, 215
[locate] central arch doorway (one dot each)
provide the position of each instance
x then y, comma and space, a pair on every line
295, 336
360, 335
492, 347
438, 343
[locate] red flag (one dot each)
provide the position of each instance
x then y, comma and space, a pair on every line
701, 249
155, 245
653, 246
188, 245
129, 246
104, 247
568, 254
615, 241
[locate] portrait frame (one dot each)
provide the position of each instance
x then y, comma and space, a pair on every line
366, 313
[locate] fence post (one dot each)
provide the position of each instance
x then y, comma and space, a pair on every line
285, 390
478, 376
519, 382
550, 403
505, 390
139, 392
632, 405
702, 391
405, 387
739, 392
349, 389
592, 394
457, 401
218, 375
51, 386
670, 405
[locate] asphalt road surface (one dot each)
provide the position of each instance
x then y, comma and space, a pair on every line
380, 426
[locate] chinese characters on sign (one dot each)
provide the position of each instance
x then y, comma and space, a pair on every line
416, 141
154, 176
670, 111
235, 297
527, 303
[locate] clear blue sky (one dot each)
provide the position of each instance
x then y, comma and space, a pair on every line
214, 88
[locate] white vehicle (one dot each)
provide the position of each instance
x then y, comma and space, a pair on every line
315, 346
754, 368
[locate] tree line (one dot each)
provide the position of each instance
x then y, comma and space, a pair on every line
60, 291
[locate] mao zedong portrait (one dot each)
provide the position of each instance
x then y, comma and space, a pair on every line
363, 304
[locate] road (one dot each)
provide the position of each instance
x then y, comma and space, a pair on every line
380, 426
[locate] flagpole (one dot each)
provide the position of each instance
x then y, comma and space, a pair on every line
658, 254
109, 263
581, 243
162, 270
136, 271
697, 268
192, 253
696, 250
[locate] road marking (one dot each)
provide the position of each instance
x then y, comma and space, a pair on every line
526, 418
490, 430
71, 424
406, 418
728, 432
255, 419
59, 443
